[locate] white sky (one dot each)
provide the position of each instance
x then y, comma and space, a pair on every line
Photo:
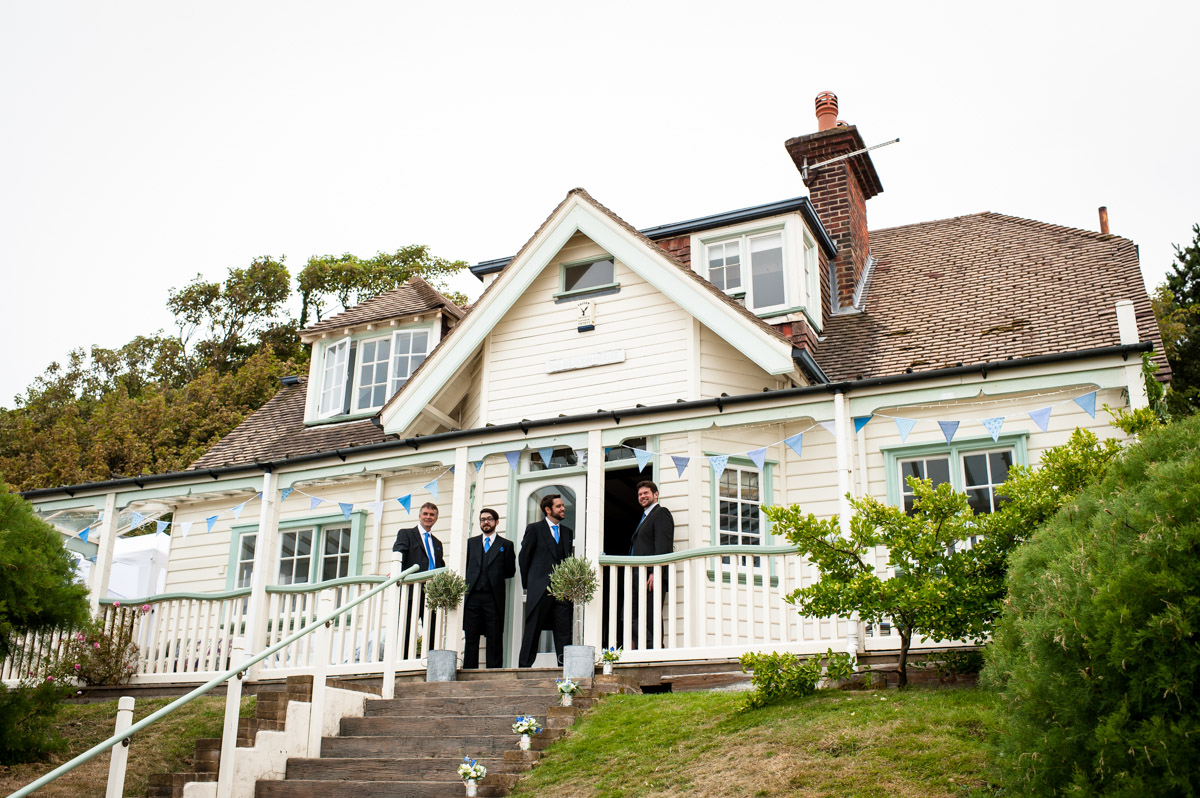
142, 143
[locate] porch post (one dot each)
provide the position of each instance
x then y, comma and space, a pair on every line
267, 542
593, 534
1128, 331
104, 554
842, 447
460, 530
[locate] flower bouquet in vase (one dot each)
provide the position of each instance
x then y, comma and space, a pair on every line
567, 690
607, 657
525, 726
471, 772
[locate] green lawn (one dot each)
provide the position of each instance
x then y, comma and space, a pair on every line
886, 743
165, 747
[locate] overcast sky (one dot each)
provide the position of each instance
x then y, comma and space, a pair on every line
142, 143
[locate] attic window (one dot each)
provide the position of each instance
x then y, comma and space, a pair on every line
359, 374
587, 277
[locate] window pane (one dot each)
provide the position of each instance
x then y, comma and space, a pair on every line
1000, 463
724, 265
975, 470
938, 470
728, 486
420, 342
980, 500
766, 268
587, 275
913, 468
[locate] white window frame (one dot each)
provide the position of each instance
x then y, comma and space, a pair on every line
429, 344
355, 407
763, 501
318, 529
331, 350
325, 349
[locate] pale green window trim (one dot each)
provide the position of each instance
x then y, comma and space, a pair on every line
609, 287
893, 455
357, 524
766, 487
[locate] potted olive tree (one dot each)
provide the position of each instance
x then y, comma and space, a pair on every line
443, 593
574, 580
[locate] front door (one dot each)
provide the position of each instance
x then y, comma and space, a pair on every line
529, 497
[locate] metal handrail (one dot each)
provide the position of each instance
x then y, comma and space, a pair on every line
100, 748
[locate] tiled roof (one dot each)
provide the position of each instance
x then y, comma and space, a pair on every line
276, 431
985, 287
415, 296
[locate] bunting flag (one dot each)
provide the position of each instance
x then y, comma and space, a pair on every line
718, 461
451, 470
948, 429
861, 421
1041, 418
347, 508
796, 443
478, 466
432, 487
138, 520
681, 463
185, 527
830, 427
314, 502
513, 458
547, 454
905, 426
87, 530
161, 527
285, 493
212, 519
1088, 403
643, 457
993, 425
237, 511
258, 495
406, 502
758, 457
375, 507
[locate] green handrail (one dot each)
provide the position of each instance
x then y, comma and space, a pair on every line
303, 587
689, 554
100, 748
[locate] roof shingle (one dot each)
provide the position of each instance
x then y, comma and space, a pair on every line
415, 296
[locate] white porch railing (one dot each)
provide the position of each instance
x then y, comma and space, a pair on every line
719, 601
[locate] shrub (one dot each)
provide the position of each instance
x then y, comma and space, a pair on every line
103, 653
1096, 653
776, 676
27, 715
574, 581
443, 592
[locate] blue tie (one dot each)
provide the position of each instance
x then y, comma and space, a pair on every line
554, 529
487, 544
429, 551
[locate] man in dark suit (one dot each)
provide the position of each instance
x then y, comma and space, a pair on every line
655, 534
546, 543
491, 562
418, 545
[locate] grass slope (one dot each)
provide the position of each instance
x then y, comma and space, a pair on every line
165, 747
920, 742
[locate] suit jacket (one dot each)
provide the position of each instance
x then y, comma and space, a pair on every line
499, 563
539, 555
655, 535
411, 546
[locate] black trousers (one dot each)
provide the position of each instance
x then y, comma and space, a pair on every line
426, 645
481, 616
641, 595
548, 613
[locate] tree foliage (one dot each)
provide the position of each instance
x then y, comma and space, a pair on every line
1097, 653
352, 280
1177, 309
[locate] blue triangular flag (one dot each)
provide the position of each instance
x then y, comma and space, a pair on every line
905, 426
432, 487
829, 426
718, 461
347, 508
161, 527
314, 502
513, 458
212, 519
406, 502
451, 469
796, 443
547, 454
1041, 418
84, 534
993, 425
1088, 403
948, 429
237, 511
860, 422
643, 457
258, 495
681, 463
758, 457
478, 466
285, 493
138, 518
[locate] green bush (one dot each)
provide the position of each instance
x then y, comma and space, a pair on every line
27, 715
102, 653
776, 676
1097, 653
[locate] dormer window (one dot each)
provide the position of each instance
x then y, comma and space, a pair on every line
359, 373
333, 378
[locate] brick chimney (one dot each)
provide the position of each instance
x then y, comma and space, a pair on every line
839, 193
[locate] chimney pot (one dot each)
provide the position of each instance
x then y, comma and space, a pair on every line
827, 110
1104, 220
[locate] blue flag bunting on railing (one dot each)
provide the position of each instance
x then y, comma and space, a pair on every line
758, 457
432, 487
948, 429
905, 426
406, 502
347, 508
718, 461
681, 463
993, 426
860, 422
1088, 403
643, 457
212, 519
796, 443
513, 458
1041, 418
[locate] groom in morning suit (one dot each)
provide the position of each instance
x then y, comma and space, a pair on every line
417, 545
491, 562
545, 544
655, 534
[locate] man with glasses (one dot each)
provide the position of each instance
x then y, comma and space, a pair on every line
491, 562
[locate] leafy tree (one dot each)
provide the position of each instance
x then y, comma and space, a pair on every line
352, 280
1177, 309
940, 588
1096, 653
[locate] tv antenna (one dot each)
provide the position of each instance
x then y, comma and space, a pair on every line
804, 169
